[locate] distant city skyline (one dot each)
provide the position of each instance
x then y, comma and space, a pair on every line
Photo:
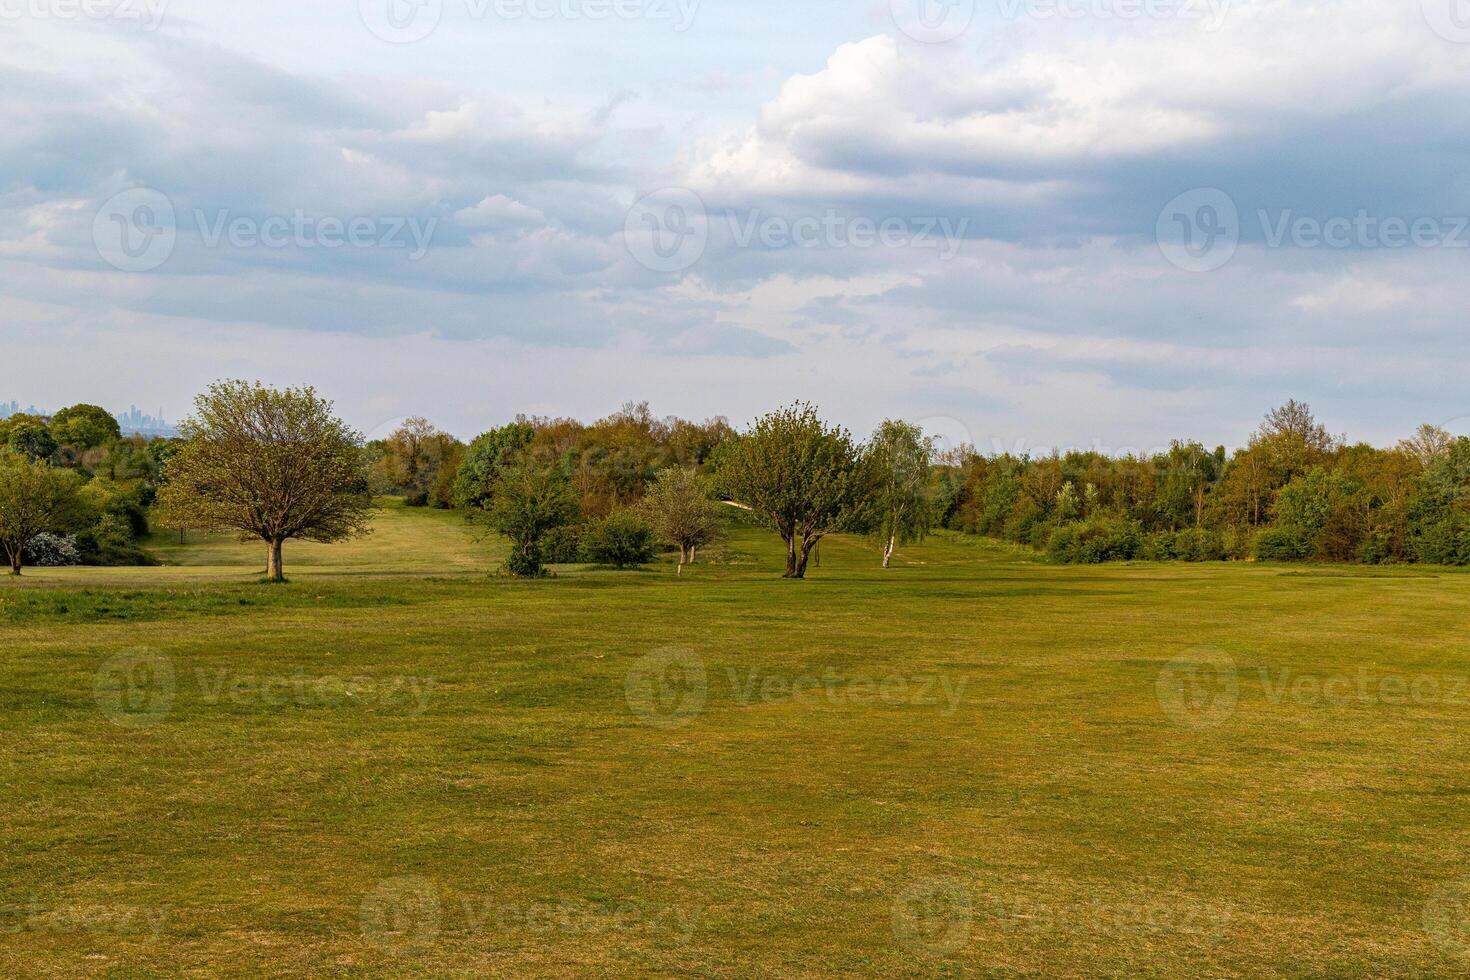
134, 421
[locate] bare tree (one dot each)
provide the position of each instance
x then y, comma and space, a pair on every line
1296, 418
1428, 444
276, 465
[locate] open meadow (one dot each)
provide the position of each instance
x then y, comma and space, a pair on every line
971, 764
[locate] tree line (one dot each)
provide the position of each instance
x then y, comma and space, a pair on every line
278, 465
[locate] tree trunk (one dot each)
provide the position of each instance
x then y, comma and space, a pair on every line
888, 551
683, 554
693, 553
14, 557
273, 570
791, 569
801, 562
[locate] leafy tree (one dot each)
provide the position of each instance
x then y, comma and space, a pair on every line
526, 503
34, 498
277, 465
621, 539
901, 505
804, 479
486, 459
681, 510
32, 440
413, 456
1328, 510
85, 426
1189, 473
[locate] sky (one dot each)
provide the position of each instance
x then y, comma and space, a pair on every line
1026, 224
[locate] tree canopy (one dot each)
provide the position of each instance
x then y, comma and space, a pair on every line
806, 479
272, 464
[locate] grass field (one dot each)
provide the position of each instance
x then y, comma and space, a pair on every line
973, 764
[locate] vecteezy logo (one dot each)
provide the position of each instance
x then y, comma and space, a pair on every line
1199, 689
667, 231
1199, 230
946, 434
1447, 917
1450, 19
401, 21
135, 231
933, 21
667, 688
135, 689
402, 914
933, 916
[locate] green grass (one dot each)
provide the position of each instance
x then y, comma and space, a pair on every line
396, 726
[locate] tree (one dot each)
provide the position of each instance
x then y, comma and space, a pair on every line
901, 502
1428, 445
277, 465
681, 510
85, 426
34, 498
622, 540
1296, 419
1189, 472
805, 479
490, 455
32, 440
526, 503
414, 455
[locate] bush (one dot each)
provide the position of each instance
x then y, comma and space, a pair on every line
1237, 544
1097, 540
1199, 544
417, 498
110, 543
1158, 546
1283, 544
52, 551
562, 545
621, 540
1444, 542
522, 565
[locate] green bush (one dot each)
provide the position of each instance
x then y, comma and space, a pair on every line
1097, 540
1237, 544
1283, 544
562, 545
1444, 542
1158, 546
1199, 544
621, 540
523, 565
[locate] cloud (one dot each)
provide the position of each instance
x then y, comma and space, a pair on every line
1047, 152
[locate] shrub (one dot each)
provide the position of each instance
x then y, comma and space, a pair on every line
1097, 540
47, 550
1444, 542
1236, 542
523, 565
1282, 544
562, 545
621, 540
109, 542
1199, 544
1158, 546
417, 498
